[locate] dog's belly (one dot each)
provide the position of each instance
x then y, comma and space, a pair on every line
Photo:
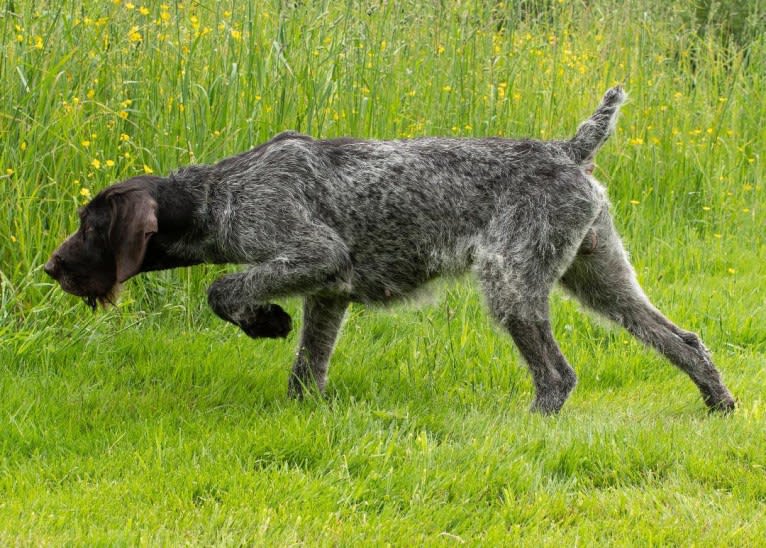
382, 276
375, 286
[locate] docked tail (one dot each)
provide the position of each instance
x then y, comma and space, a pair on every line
594, 131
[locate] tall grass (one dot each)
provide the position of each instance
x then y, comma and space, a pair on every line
94, 93
417, 441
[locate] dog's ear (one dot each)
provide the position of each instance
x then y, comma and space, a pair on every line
134, 220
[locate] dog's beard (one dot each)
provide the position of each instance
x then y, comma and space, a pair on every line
109, 299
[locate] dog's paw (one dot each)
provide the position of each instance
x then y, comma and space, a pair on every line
267, 321
550, 400
723, 404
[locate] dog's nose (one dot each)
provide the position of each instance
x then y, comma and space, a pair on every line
52, 266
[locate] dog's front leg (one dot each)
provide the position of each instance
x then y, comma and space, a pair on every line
316, 264
322, 317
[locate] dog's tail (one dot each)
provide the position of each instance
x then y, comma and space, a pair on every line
594, 131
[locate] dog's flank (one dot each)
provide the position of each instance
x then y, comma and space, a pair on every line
372, 221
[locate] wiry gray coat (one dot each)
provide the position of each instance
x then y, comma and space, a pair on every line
371, 221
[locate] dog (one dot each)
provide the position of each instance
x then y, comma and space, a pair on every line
347, 220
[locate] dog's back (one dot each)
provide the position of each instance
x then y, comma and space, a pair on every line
411, 210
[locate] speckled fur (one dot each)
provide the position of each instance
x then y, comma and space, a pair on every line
371, 221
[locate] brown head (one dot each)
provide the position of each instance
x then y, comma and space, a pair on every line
109, 246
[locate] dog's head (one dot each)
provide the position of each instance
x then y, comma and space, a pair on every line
109, 246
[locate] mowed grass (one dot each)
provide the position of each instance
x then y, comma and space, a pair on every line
154, 423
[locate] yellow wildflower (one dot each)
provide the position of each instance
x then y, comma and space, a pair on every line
85, 192
143, 10
96, 163
148, 170
134, 35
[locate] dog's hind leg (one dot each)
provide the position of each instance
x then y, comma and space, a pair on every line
524, 314
602, 278
322, 318
524, 256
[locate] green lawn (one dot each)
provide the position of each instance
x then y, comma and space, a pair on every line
155, 423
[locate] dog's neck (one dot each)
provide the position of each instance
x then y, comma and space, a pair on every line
180, 219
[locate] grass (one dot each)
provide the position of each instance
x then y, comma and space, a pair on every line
154, 423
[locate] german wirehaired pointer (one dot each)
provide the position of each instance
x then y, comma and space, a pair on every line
348, 220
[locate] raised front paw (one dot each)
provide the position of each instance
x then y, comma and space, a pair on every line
266, 321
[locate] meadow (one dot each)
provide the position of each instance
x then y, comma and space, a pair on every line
152, 422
